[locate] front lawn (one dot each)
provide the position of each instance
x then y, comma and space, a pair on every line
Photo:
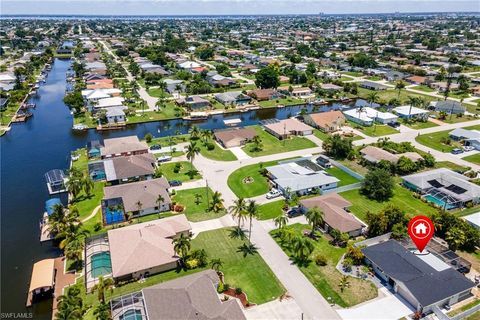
270, 210
193, 209
378, 130
258, 185
402, 198
168, 170
341, 175
436, 140
284, 102
420, 124
474, 158
218, 153
250, 273
271, 144
320, 134
326, 278
423, 88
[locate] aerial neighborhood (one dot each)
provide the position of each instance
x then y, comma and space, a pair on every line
242, 168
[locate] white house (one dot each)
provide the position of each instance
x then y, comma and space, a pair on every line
367, 115
409, 112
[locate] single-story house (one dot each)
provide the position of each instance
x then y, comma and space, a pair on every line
374, 155
144, 249
301, 92
366, 116
394, 75
218, 80
409, 112
188, 65
264, 94
370, 85
174, 85
330, 87
301, 176
283, 129
193, 102
448, 106
190, 297
233, 98
418, 80
130, 168
107, 103
141, 197
442, 86
237, 137
115, 115
335, 215
329, 121
124, 146
469, 137
443, 187
424, 283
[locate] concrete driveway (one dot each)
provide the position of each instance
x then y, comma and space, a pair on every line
239, 153
390, 307
286, 310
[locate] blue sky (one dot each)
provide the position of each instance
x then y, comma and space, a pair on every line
199, 7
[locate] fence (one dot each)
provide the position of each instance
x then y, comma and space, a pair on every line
344, 188
347, 170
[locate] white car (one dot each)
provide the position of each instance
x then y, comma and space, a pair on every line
273, 194
468, 148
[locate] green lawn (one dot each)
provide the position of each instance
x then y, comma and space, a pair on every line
352, 73
168, 168
259, 185
378, 130
320, 134
276, 102
165, 141
218, 153
423, 88
250, 273
420, 124
326, 278
474, 158
344, 177
271, 144
402, 198
196, 212
464, 307
170, 111
270, 210
451, 166
157, 92
434, 141
387, 95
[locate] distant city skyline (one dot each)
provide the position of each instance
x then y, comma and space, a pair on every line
231, 7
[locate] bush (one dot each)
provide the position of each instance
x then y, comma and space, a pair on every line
210, 146
97, 226
320, 260
192, 263
148, 137
177, 168
226, 286
347, 264
238, 291
220, 288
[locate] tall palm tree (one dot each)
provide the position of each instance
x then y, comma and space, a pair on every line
191, 151
216, 264
372, 98
160, 200
88, 184
181, 245
315, 218
194, 133
399, 85
413, 102
238, 210
303, 248
252, 212
281, 221
206, 135
344, 283
74, 186
102, 312
102, 286
70, 305
216, 204
257, 143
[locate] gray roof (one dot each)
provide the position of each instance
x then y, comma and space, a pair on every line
190, 297
465, 134
300, 175
128, 167
448, 106
425, 283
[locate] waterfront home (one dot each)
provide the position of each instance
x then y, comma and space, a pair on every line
189, 297
329, 121
298, 92
367, 116
144, 249
236, 98
130, 168
193, 102
330, 87
108, 103
335, 214
115, 115
424, 281
410, 112
447, 106
443, 187
93, 149
370, 85
124, 146
236, 137
141, 197
469, 137
301, 176
283, 129
264, 94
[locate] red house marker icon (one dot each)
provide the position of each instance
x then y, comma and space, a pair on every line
421, 230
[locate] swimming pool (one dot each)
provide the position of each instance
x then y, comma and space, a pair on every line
132, 314
113, 216
438, 202
101, 264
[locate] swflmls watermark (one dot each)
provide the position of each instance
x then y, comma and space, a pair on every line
16, 315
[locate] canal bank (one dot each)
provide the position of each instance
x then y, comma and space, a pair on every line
44, 143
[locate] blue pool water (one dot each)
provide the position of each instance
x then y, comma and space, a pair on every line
101, 264
438, 202
113, 216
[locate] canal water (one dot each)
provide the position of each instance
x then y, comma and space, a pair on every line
45, 142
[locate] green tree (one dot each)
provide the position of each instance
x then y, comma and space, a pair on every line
399, 85
405, 166
378, 185
102, 312
216, 203
252, 212
281, 221
267, 77
239, 210
302, 248
257, 144
181, 245
216, 264
70, 305
337, 147
344, 283
191, 152
314, 217
102, 286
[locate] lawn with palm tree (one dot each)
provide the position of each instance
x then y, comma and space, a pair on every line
195, 202
270, 210
326, 279
272, 145
249, 181
249, 272
179, 171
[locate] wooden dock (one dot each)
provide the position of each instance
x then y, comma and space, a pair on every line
45, 234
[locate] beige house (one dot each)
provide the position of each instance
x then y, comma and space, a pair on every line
144, 249
330, 121
124, 146
230, 138
283, 129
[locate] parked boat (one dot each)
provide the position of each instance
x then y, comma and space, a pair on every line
80, 126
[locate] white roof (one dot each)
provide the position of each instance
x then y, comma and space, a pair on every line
359, 115
473, 219
110, 102
189, 65
5, 77
369, 114
405, 110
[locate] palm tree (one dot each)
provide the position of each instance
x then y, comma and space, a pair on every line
181, 245
413, 102
192, 150
102, 312
281, 221
216, 264
70, 305
399, 85
302, 248
238, 210
252, 212
74, 186
102, 286
257, 143
372, 98
194, 133
206, 135
237, 233
248, 248
216, 204
160, 200
88, 185
344, 283
198, 198
315, 218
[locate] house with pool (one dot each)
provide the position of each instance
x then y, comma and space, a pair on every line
443, 187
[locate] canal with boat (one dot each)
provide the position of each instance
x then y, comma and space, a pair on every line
45, 142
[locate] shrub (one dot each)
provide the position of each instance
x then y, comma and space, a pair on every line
97, 226
148, 137
347, 264
210, 146
220, 288
226, 286
192, 263
238, 291
320, 260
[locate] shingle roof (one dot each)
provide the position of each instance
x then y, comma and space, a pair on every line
124, 144
130, 166
426, 284
325, 119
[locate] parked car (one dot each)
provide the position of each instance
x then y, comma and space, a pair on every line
155, 147
394, 124
175, 183
294, 212
468, 148
164, 159
457, 151
273, 194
